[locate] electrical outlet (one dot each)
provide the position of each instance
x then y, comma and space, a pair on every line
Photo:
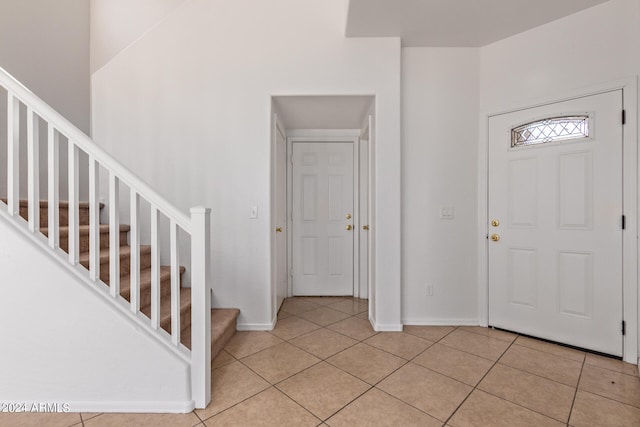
429, 290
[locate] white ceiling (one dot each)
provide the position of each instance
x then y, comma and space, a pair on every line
454, 23
322, 112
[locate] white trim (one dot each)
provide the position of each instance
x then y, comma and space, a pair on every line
331, 133
441, 322
168, 407
386, 327
631, 186
257, 326
355, 216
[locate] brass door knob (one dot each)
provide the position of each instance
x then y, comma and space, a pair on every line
365, 227
495, 237
348, 216
495, 223
278, 229
349, 227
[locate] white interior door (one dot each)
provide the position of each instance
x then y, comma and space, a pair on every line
322, 210
556, 208
281, 217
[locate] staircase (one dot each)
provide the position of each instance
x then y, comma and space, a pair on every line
223, 321
121, 268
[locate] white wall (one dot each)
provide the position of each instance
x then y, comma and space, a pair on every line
188, 108
45, 45
63, 343
115, 24
439, 169
593, 47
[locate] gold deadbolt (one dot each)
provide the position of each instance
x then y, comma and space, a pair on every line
495, 223
278, 229
495, 237
349, 227
348, 216
365, 227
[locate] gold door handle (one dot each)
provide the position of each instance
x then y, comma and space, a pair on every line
495, 237
349, 227
365, 227
348, 216
278, 229
495, 223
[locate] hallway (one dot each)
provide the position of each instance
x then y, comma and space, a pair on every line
324, 365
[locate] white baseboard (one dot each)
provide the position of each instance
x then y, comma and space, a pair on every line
441, 322
390, 327
257, 326
171, 407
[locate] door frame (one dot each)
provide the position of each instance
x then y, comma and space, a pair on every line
356, 209
630, 186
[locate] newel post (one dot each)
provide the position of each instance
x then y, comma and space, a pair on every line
200, 306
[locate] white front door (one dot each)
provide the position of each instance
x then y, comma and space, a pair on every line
555, 231
322, 210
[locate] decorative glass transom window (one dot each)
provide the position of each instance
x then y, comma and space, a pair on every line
550, 130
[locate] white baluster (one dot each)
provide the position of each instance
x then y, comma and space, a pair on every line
134, 274
13, 154
53, 207
94, 219
155, 267
114, 235
74, 221
175, 283
200, 307
33, 170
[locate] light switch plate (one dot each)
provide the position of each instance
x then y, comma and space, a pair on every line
447, 212
253, 212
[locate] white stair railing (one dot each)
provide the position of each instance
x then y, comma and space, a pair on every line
197, 226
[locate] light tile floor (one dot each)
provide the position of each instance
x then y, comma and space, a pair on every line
324, 365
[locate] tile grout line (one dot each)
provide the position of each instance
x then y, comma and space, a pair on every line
541, 376
610, 398
407, 361
446, 376
410, 361
323, 421
502, 398
478, 383
575, 395
275, 385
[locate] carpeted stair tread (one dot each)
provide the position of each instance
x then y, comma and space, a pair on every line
145, 284
223, 327
83, 230
165, 310
45, 203
125, 252
223, 321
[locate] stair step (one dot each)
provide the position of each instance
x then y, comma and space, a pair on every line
83, 210
125, 261
165, 310
223, 321
83, 231
145, 285
223, 327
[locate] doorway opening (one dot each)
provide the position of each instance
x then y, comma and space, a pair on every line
322, 150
